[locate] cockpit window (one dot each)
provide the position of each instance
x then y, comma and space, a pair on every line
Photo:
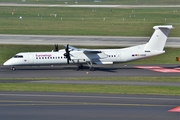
18, 56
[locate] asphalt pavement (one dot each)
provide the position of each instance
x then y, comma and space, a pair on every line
83, 106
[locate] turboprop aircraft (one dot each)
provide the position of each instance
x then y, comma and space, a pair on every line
79, 57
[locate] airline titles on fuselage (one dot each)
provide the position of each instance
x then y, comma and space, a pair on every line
48, 56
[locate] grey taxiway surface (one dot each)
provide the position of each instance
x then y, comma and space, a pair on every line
80, 106
100, 71
81, 40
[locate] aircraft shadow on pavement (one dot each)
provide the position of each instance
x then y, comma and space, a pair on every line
74, 68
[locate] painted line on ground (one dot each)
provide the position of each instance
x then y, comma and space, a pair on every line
159, 69
176, 109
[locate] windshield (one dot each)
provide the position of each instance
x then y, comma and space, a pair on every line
18, 56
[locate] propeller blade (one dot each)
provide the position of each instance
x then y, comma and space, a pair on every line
67, 48
56, 47
67, 54
67, 61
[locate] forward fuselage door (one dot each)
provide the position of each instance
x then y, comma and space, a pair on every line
118, 56
30, 59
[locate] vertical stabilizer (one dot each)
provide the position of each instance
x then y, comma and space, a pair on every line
159, 37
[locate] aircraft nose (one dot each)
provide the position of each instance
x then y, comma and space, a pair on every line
8, 62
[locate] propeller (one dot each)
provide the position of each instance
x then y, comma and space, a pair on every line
67, 54
56, 48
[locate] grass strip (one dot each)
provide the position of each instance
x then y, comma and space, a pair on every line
87, 21
115, 89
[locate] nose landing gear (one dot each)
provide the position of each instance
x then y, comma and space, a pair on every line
13, 68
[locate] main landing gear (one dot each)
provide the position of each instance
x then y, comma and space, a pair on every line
80, 67
91, 68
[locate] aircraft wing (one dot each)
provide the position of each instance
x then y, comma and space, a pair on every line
95, 54
84, 50
91, 54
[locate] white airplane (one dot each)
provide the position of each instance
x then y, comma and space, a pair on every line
79, 57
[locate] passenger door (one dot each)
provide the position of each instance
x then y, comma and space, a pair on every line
30, 59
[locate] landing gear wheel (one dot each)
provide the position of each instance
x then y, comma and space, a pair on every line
91, 69
13, 68
80, 67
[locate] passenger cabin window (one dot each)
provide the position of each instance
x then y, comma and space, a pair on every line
18, 56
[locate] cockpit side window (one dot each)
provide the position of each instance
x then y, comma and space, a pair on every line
18, 56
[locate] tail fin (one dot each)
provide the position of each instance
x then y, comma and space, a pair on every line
159, 37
